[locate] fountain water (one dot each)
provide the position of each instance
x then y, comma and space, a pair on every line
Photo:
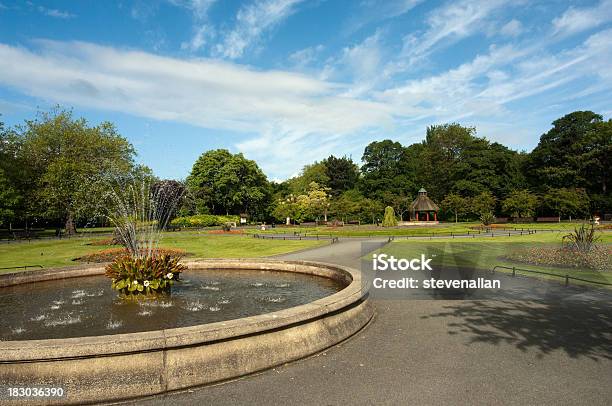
140, 210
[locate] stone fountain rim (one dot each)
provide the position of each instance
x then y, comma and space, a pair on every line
156, 340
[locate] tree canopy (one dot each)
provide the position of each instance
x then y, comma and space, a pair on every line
224, 183
63, 164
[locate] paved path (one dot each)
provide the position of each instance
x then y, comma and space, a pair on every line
436, 352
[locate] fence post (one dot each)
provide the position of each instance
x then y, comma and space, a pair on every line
513, 271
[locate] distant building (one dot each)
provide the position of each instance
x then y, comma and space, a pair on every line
423, 208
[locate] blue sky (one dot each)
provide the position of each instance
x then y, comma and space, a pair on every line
288, 82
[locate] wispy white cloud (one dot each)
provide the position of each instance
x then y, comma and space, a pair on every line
575, 20
206, 93
512, 28
485, 86
252, 22
450, 23
360, 64
372, 11
198, 7
202, 36
52, 12
204, 31
304, 57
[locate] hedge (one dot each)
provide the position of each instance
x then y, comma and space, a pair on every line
204, 220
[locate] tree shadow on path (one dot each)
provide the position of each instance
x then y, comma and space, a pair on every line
580, 328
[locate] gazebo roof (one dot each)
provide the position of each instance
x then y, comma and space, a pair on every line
423, 203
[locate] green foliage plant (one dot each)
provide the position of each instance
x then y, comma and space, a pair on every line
389, 220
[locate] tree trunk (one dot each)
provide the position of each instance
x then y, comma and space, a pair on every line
70, 225
455, 217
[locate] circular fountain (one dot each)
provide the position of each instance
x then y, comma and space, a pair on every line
327, 305
129, 329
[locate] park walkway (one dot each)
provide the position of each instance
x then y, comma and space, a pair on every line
553, 350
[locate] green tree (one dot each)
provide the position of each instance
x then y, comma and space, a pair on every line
388, 169
483, 203
288, 207
347, 206
453, 159
316, 202
68, 160
370, 210
455, 204
556, 160
9, 200
317, 172
520, 203
224, 183
566, 201
389, 220
342, 174
594, 161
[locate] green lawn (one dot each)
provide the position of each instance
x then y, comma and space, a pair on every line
485, 253
53, 253
442, 228
371, 230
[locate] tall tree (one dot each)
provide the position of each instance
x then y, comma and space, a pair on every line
9, 200
68, 161
453, 159
520, 203
225, 183
595, 158
555, 161
566, 202
316, 172
483, 203
387, 171
455, 204
342, 174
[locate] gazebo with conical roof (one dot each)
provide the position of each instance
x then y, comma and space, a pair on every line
423, 207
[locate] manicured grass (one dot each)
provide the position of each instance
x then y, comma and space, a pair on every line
371, 230
54, 253
484, 253
438, 229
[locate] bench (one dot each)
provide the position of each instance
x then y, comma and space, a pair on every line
24, 235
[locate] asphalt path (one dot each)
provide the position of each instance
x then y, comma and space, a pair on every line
540, 343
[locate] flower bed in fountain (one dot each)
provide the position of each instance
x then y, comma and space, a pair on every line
147, 275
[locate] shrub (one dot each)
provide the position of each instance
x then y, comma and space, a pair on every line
487, 218
148, 275
582, 239
203, 220
389, 220
112, 254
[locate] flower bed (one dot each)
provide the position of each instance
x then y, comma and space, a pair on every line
112, 254
154, 274
226, 232
600, 257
